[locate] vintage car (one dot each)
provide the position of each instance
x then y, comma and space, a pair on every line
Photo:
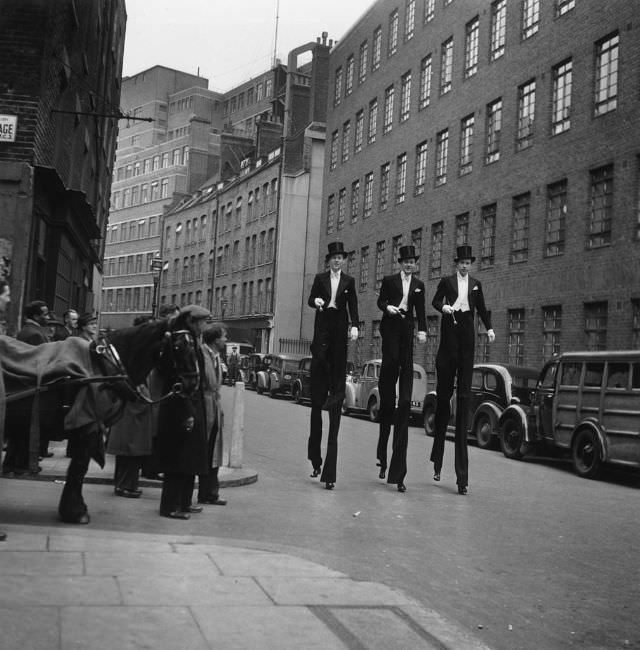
362, 394
586, 404
494, 387
253, 364
278, 377
301, 389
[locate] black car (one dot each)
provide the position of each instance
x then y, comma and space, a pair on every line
301, 388
494, 386
278, 378
254, 363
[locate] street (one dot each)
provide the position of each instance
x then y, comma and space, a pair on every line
533, 557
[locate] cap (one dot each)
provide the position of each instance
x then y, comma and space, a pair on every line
196, 311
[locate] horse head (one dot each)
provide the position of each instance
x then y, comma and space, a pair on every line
178, 359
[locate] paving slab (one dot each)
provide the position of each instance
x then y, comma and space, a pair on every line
17, 628
34, 563
141, 564
269, 564
58, 591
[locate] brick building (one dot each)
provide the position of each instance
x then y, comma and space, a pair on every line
510, 126
59, 102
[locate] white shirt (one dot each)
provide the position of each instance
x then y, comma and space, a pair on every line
335, 281
406, 283
462, 302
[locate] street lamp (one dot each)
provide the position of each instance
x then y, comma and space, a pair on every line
156, 269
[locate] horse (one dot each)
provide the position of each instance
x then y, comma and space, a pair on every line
81, 403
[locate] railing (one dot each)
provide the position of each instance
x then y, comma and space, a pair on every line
294, 346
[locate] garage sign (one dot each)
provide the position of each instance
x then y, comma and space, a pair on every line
8, 128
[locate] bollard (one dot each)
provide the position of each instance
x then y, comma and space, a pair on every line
237, 426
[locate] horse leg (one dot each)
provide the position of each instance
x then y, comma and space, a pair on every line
72, 508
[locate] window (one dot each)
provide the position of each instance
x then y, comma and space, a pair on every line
384, 186
416, 240
601, 207
155, 165
429, 10
498, 29
126, 198
355, 200
442, 153
563, 6
488, 244
425, 82
165, 160
462, 229
435, 268
376, 53
494, 129
359, 132
364, 268
472, 29
526, 114
401, 178
185, 155
380, 262
333, 159
367, 207
387, 123
520, 228
483, 347
342, 208
373, 121
409, 19
396, 242
421, 168
606, 90
556, 216
551, 325
393, 33
348, 79
405, 96
446, 66
466, 145
331, 213
135, 192
561, 100
515, 351
363, 61
595, 325
346, 138
530, 17
337, 87
268, 88
164, 188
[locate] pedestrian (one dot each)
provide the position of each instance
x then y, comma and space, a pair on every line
34, 328
401, 296
233, 364
70, 318
56, 328
333, 296
181, 442
214, 340
457, 298
5, 299
88, 327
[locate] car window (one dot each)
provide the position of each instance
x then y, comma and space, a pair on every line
306, 365
571, 374
476, 380
635, 379
491, 381
594, 374
290, 365
548, 379
618, 375
377, 372
416, 374
369, 371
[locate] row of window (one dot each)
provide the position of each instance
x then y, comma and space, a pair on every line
237, 102
258, 249
186, 298
605, 97
192, 269
133, 230
177, 157
128, 264
260, 202
251, 297
140, 194
346, 74
195, 230
127, 299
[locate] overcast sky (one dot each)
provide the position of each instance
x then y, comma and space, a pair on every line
229, 40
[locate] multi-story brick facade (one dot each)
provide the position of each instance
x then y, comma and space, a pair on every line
510, 126
61, 69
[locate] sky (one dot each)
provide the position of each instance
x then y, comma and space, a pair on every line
230, 41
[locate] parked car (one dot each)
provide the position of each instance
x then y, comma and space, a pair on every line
494, 387
584, 403
278, 378
241, 374
362, 393
301, 388
254, 364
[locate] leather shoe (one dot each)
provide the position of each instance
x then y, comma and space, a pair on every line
462, 489
176, 514
383, 470
329, 486
436, 476
402, 487
3, 536
316, 472
130, 494
213, 501
194, 509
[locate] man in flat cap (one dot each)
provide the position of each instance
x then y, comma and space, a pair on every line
333, 296
401, 296
456, 298
88, 327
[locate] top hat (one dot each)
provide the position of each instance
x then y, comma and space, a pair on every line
86, 318
335, 248
464, 253
406, 252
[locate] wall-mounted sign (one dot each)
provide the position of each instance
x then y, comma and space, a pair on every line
8, 128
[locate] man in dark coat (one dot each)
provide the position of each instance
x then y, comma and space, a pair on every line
5, 299
457, 298
401, 296
36, 318
333, 296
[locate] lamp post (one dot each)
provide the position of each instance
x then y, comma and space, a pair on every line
156, 269
223, 306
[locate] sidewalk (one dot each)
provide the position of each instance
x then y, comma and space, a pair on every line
92, 590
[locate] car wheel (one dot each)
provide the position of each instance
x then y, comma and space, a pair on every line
296, 394
259, 389
373, 410
512, 438
429, 419
586, 454
345, 409
483, 431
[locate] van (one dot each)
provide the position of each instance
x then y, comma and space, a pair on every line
586, 403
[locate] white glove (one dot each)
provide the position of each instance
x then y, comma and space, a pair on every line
447, 309
392, 310
319, 302
422, 337
491, 335
354, 334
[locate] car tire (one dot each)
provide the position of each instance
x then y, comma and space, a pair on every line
345, 409
483, 431
428, 419
296, 393
259, 389
586, 454
512, 438
373, 410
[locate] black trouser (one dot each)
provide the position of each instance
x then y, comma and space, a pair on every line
397, 364
208, 485
127, 472
328, 375
177, 492
454, 365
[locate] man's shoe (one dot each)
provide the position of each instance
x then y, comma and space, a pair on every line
383, 470
436, 476
213, 501
176, 514
462, 489
194, 509
129, 494
316, 472
329, 486
402, 487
